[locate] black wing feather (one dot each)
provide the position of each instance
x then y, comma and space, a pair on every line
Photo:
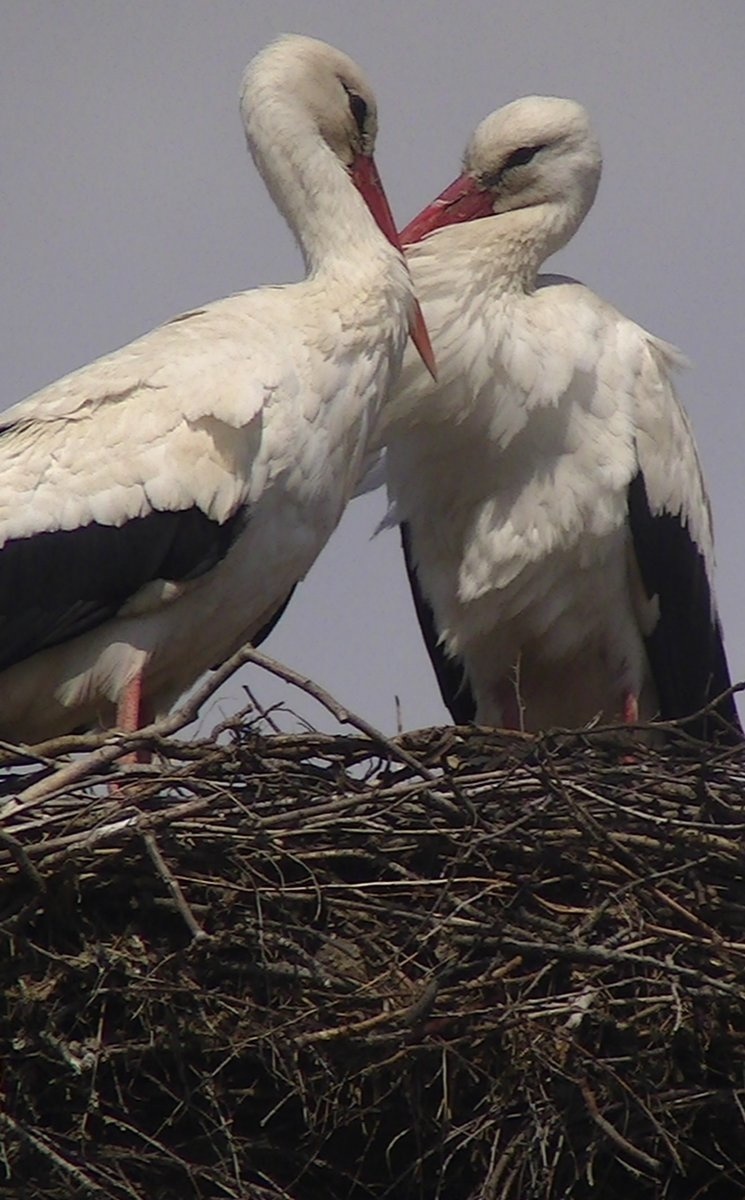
685, 649
269, 625
454, 687
57, 585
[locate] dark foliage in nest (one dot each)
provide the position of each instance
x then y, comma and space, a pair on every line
302, 966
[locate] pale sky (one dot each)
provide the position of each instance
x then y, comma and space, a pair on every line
127, 196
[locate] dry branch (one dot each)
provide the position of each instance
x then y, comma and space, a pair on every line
302, 966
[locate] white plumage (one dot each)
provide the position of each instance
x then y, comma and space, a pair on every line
158, 506
554, 519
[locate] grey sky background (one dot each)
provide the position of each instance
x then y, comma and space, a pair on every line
127, 196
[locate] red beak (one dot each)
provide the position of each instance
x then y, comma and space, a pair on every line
367, 181
463, 200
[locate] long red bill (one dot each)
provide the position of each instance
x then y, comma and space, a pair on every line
367, 180
463, 200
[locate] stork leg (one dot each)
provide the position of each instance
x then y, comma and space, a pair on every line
509, 704
630, 708
133, 711
630, 716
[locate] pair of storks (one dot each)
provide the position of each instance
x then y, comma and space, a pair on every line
158, 507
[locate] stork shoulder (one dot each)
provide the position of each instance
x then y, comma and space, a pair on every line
167, 422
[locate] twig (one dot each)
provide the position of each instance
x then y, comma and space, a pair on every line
78, 1174
340, 713
174, 887
18, 853
627, 1147
677, 726
603, 957
262, 711
119, 744
405, 1016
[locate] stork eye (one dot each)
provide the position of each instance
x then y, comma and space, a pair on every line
358, 108
520, 157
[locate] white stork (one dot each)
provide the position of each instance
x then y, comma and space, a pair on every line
554, 520
158, 506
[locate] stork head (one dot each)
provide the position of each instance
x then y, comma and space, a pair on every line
300, 95
319, 90
537, 151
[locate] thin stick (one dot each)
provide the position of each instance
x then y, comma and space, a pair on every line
627, 1147
118, 745
340, 713
605, 957
174, 887
81, 1177
18, 853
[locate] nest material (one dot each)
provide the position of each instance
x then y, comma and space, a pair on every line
296, 967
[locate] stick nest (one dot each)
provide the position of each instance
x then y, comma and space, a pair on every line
316, 967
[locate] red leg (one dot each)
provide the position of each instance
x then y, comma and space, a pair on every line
133, 711
509, 704
630, 714
630, 708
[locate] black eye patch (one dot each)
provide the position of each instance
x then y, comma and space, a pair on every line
520, 157
358, 108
